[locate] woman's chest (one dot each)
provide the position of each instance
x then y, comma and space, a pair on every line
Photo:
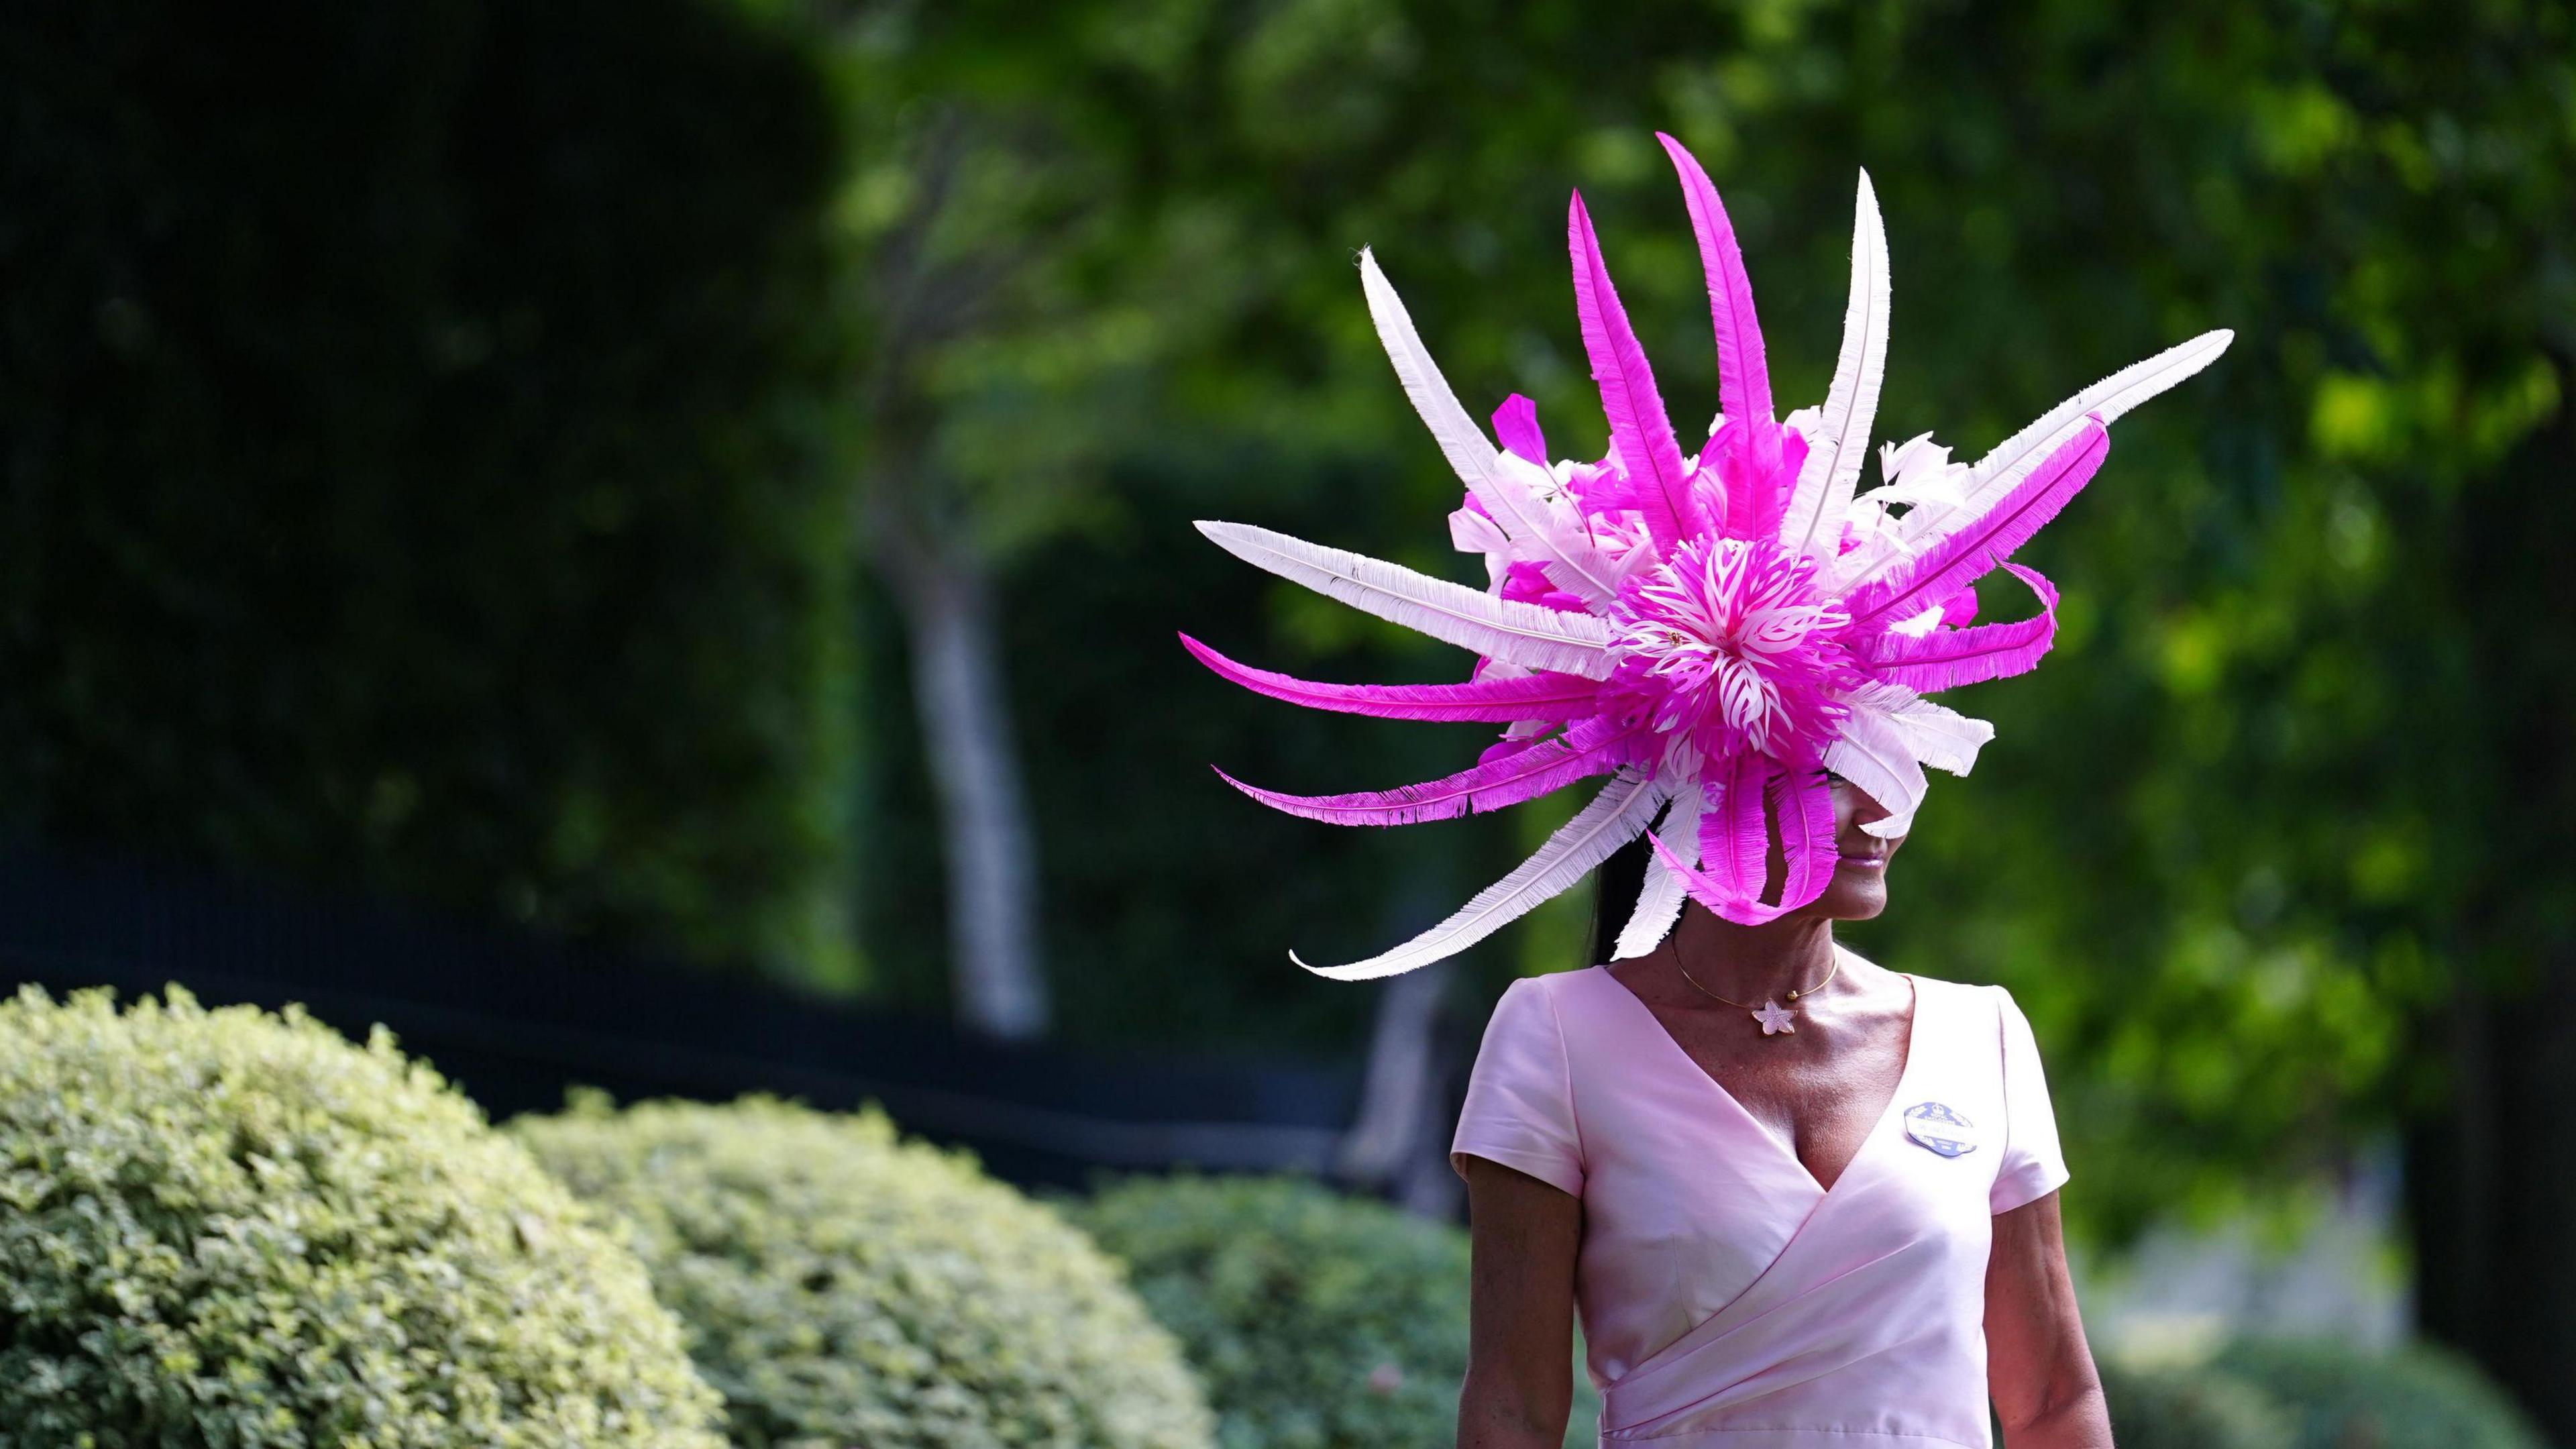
1822, 1091
1702, 1162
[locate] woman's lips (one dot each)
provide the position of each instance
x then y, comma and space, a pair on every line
1866, 862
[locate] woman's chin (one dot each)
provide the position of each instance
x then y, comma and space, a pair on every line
1856, 893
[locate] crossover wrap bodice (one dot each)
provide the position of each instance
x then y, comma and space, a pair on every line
1727, 1297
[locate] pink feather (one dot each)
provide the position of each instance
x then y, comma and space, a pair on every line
1743, 376
1735, 836
1806, 810
1947, 658
1640, 433
1542, 696
1735, 841
1960, 609
1590, 748
1755, 500
1516, 423
1970, 552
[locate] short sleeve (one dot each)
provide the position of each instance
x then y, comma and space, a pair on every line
2033, 1166
1520, 1100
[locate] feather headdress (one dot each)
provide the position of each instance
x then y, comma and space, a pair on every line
1712, 631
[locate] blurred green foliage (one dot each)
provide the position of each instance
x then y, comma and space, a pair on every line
2265, 1394
2189, 1408
1316, 1320
232, 1228
2223, 846
841, 1287
2415, 1398
400, 418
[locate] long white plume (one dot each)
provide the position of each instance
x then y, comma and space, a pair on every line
1832, 470
1616, 816
2013, 460
1938, 735
1506, 496
1524, 634
1871, 754
1659, 904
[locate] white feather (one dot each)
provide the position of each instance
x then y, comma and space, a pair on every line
1997, 473
1871, 754
1520, 510
1938, 735
1616, 816
1551, 532
1834, 457
1524, 634
1659, 904
1471, 531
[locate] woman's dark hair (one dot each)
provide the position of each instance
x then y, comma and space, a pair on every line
1616, 884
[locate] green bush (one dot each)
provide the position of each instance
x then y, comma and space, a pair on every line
2189, 1408
841, 1287
1317, 1321
228, 1228
2416, 1398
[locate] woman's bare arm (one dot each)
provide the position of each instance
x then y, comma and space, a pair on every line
2038, 1366
1520, 1322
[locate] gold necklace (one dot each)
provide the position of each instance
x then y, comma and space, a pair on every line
1774, 1019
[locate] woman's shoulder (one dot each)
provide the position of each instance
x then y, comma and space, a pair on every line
1942, 986
1548, 1003
1961, 1002
1553, 987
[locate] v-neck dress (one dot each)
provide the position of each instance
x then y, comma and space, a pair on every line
1727, 1298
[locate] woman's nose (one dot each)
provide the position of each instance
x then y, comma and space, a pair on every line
1866, 810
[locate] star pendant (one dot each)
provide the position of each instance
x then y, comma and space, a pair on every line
1774, 1019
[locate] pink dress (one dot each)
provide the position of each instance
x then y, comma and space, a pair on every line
1729, 1300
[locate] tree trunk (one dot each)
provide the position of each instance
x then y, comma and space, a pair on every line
2491, 1188
2491, 1180
991, 854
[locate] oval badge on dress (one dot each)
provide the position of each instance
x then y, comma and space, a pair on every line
1936, 1128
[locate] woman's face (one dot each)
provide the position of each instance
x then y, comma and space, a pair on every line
1858, 890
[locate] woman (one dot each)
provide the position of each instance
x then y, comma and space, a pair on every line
1768, 1172
1778, 1227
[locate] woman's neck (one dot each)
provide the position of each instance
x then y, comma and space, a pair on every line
1752, 963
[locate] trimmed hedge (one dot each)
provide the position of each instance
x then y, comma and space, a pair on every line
2180, 1408
842, 1287
1317, 1321
230, 1228
2271, 1394
2415, 1398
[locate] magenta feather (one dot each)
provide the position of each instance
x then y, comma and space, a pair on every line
1806, 835
1756, 494
1516, 423
1970, 552
1947, 658
1640, 433
1735, 837
1735, 841
1590, 748
1960, 609
1743, 376
1553, 697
